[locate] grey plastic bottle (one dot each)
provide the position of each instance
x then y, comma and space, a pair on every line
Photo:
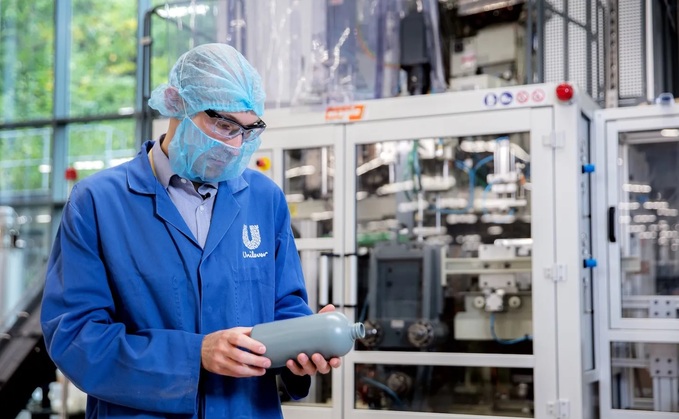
329, 334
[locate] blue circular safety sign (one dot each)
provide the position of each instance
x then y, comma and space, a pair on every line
490, 99
506, 98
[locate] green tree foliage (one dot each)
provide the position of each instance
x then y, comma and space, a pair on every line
26, 59
102, 78
26, 85
98, 145
23, 152
102, 81
103, 56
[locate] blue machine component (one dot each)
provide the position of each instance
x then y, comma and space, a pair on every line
588, 168
590, 263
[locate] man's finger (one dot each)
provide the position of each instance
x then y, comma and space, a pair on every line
335, 362
249, 359
327, 309
237, 369
321, 364
294, 367
246, 342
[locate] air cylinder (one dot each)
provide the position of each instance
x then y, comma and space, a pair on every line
330, 334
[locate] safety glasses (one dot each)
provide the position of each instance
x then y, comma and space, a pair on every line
227, 128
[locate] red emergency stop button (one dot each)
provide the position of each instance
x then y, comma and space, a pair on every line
564, 92
263, 163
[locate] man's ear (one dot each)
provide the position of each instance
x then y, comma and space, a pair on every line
174, 101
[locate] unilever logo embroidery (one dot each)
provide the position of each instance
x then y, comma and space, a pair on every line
252, 242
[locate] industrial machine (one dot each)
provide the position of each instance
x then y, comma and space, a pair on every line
458, 228
494, 57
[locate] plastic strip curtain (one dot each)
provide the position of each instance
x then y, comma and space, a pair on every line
309, 52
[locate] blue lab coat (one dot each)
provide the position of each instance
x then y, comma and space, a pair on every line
130, 294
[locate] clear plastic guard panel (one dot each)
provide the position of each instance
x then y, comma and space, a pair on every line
444, 244
644, 376
308, 186
648, 223
438, 389
315, 53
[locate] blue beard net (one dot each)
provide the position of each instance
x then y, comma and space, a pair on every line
198, 157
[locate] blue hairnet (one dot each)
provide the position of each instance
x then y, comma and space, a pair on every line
210, 76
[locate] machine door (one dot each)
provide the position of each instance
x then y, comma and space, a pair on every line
303, 160
642, 335
451, 220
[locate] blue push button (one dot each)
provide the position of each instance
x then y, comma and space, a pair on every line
588, 168
590, 263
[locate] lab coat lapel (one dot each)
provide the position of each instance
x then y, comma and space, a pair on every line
141, 179
224, 213
166, 210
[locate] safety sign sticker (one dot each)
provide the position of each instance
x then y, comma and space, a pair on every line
507, 98
344, 113
490, 99
522, 97
538, 95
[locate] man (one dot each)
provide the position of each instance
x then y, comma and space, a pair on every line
162, 265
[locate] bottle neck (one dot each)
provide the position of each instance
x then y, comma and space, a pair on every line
357, 331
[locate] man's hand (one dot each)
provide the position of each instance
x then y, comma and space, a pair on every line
225, 352
317, 364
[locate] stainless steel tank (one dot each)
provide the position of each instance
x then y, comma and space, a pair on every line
12, 283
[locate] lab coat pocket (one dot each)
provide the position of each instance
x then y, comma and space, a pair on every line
257, 295
157, 298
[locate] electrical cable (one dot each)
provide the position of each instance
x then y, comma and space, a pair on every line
472, 183
391, 393
364, 309
505, 341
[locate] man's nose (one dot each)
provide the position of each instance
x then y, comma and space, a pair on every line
235, 142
